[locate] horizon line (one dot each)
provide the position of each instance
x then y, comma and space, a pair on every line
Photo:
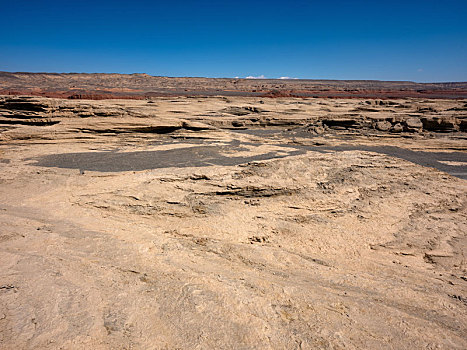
240, 78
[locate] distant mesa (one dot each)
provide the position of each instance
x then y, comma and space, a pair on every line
97, 86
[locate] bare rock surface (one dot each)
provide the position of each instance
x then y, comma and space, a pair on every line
233, 223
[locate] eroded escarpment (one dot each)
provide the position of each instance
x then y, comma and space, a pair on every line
315, 115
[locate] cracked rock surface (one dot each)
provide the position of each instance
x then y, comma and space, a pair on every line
220, 223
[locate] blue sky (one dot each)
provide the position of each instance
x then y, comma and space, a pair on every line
385, 40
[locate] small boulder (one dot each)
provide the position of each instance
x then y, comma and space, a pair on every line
397, 128
413, 124
383, 125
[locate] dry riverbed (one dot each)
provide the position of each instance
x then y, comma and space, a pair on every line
233, 223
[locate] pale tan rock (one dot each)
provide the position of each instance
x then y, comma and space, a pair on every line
263, 238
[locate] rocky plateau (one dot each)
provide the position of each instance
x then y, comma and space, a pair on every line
232, 221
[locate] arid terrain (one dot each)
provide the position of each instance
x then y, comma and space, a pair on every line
99, 86
233, 221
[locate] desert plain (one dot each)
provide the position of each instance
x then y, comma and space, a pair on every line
233, 221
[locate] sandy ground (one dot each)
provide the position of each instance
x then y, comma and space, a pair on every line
176, 224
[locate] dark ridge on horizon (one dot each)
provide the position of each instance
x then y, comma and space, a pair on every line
235, 78
142, 85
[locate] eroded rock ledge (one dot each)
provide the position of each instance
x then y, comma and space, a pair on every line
312, 115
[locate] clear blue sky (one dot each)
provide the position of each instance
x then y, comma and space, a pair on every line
387, 40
